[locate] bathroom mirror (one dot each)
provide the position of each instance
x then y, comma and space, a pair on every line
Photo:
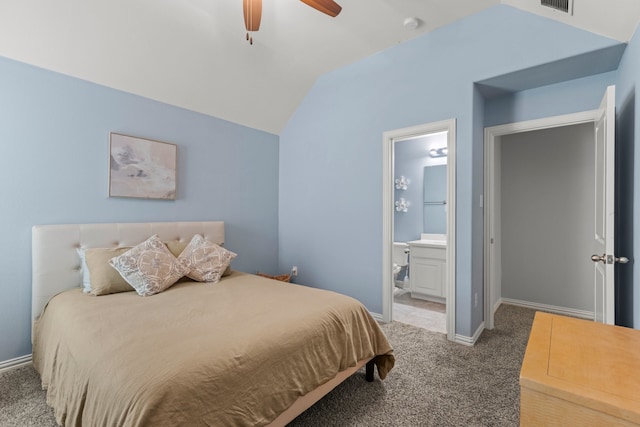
434, 210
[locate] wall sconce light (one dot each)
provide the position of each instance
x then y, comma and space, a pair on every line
438, 152
402, 205
402, 183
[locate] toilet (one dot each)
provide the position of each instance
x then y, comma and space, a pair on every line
400, 264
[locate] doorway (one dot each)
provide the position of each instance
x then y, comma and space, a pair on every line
393, 203
578, 205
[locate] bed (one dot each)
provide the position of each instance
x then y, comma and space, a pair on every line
247, 350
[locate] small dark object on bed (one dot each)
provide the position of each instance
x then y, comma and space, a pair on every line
281, 277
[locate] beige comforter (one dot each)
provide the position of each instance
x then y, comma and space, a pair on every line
234, 353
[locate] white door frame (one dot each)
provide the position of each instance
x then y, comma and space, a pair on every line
490, 224
388, 141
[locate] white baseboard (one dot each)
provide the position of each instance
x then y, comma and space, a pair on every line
377, 316
550, 308
10, 364
470, 341
464, 340
497, 305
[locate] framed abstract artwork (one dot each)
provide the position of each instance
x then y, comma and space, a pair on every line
141, 167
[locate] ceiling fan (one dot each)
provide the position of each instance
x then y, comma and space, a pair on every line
253, 12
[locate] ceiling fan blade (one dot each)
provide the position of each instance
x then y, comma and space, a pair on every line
252, 14
329, 7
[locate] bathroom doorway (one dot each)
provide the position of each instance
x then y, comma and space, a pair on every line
419, 227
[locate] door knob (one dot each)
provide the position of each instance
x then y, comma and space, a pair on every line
609, 259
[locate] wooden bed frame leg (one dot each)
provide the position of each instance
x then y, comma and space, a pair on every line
369, 371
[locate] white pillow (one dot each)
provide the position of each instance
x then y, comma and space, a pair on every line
150, 267
86, 276
207, 260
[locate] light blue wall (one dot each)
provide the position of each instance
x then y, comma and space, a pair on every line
331, 149
572, 96
54, 134
628, 182
474, 299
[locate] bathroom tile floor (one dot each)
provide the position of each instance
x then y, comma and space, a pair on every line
421, 313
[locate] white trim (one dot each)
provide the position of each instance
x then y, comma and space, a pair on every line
470, 341
497, 306
16, 363
388, 140
583, 314
545, 123
377, 317
387, 227
451, 228
490, 225
464, 340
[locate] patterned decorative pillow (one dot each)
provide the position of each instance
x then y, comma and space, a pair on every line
208, 261
150, 267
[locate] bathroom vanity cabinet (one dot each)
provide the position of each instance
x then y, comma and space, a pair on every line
428, 267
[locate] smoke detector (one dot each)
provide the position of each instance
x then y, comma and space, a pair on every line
565, 6
411, 23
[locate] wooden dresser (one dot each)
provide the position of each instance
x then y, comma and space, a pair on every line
580, 373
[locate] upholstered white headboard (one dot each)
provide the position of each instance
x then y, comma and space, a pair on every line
55, 263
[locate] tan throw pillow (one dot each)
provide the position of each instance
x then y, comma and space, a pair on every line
176, 247
227, 271
150, 267
100, 278
208, 261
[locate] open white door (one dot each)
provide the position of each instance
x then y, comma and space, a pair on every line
603, 245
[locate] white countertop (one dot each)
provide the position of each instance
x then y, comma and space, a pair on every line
426, 243
430, 241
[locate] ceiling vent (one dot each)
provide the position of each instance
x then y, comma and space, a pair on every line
565, 6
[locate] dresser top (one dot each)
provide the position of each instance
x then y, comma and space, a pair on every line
585, 362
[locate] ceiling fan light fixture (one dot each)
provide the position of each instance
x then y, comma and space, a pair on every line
328, 7
252, 10
252, 14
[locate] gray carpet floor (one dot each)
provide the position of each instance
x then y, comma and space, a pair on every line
434, 383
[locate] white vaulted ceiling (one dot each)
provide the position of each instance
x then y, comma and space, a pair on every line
193, 53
